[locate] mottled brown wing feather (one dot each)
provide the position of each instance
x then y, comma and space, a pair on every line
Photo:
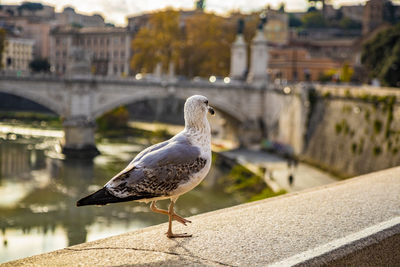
159, 171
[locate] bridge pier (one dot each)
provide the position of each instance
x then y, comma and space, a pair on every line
79, 138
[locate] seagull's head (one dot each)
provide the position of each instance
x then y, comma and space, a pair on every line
196, 108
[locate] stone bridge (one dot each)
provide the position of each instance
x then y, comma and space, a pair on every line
79, 101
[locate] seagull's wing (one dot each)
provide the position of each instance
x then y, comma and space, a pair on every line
159, 171
148, 150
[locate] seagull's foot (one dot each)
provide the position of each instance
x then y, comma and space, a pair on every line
181, 220
171, 235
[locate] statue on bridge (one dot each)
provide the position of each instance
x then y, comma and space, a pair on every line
79, 62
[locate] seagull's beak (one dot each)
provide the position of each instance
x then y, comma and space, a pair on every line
211, 110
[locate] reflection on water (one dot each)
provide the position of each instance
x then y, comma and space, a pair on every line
38, 191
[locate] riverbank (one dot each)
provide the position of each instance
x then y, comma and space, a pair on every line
277, 169
303, 176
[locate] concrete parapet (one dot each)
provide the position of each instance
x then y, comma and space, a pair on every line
351, 223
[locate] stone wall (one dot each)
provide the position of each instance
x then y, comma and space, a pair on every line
352, 132
285, 117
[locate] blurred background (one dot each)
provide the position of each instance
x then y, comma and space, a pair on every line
305, 92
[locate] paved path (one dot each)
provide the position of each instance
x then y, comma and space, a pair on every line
305, 176
355, 222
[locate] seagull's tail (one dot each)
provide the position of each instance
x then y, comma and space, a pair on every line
100, 197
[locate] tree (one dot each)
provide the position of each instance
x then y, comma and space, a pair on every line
281, 8
207, 46
348, 23
115, 119
158, 42
381, 56
200, 5
314, 2
30, 6
39, 65
294, 21
2, 44
313, 20
198, 45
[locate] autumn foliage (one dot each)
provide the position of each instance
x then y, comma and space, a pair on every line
198, 43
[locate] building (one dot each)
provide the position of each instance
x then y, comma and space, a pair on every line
355, 13
137, 22
17, 54
296, 64
36, 23
379, 12
276, 29
42, 12
70, 17
373, 15
338, 49
37, 30
110, 48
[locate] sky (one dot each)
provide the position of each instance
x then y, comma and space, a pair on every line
116, 11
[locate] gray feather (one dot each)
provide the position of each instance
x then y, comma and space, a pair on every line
159, 169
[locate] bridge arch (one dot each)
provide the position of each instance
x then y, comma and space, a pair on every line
36, 97
218, 102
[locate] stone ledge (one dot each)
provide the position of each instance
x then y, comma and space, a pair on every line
354, 223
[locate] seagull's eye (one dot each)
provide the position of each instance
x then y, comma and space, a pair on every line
206, 102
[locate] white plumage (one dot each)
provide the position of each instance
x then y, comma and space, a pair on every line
165, 170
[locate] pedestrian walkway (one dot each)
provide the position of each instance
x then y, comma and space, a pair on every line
277, 169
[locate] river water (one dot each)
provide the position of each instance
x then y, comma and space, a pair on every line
39, 189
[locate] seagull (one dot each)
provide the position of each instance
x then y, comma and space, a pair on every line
165, 170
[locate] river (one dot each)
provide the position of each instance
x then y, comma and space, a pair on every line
39, 189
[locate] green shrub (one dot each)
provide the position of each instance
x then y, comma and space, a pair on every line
377, 150
377, 126
115, 119
354, 148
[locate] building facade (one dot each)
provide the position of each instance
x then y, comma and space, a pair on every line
37, 23
17, 54
70, 17
109, 48
296, 64
276, 29
373, 15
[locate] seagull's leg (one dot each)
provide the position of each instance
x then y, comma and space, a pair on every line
176, 217
171, 214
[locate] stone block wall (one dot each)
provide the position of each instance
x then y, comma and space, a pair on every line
353, 133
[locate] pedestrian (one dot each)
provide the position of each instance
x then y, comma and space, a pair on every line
291, 179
